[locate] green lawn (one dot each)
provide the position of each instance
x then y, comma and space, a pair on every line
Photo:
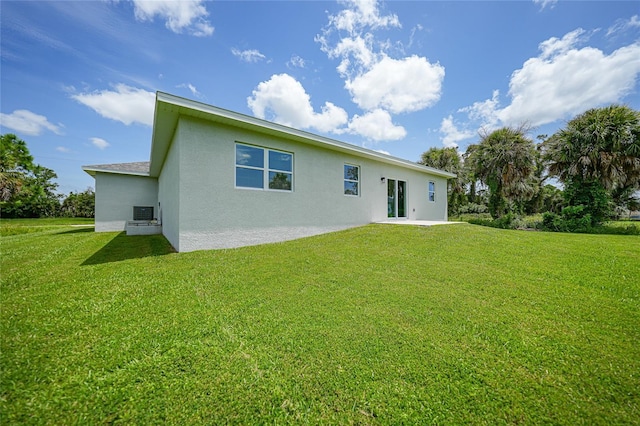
380, 324
27, 226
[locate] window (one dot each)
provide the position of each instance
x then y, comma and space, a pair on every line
432, 191
263, 168
351, 179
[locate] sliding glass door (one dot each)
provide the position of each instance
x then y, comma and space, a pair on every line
396, 198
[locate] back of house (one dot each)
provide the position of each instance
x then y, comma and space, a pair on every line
220, 179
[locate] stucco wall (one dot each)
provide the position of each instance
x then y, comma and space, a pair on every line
169, 195
215, 214
116, 195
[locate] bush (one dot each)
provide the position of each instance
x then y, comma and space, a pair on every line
508, 221
473, 208
618, 228
571, 219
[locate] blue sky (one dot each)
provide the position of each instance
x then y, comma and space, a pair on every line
78, 77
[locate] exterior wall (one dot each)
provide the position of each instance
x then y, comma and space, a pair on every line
212, 213
169, 195
116, 195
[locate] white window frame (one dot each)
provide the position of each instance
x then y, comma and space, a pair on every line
431, 194
351, 180
266, 168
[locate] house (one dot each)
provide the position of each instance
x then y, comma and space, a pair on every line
220, 179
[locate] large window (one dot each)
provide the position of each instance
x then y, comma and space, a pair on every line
432, 191
351, 180
263, 168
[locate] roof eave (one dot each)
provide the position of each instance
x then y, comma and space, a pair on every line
93, 170
170, 107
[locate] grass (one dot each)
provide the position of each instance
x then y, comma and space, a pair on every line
376, 325
27, 226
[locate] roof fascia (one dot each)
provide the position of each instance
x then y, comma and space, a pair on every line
170, 107
94, 170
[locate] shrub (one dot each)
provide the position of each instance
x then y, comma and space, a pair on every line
473, 208
571, 219
508, 221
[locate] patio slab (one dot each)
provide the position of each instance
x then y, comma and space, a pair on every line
417, 222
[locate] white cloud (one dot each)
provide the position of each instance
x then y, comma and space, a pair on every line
251, 55
283, 100
560, 46
403, 85
63, 149
125, 104
453, 135
183, 15
99, 143
563, 81
485, 111
566, 81
356, 49
356, 54
191, 88
624, 25
413, 33
360, 14
377, 82
296, 62
545, 3
376, 125
28, 123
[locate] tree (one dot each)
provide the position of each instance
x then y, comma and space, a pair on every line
505, 161
27, 189
15, 164
81, 204
597, 157
447, 159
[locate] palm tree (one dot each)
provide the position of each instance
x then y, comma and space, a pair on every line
600, 147
505, 161
15, 163
601, 144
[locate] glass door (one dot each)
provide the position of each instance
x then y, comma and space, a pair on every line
402, 186
391, 198
396, 198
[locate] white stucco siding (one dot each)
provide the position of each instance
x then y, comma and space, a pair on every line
117, 194
213, 213
169, 195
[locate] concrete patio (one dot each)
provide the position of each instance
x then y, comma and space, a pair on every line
417, 222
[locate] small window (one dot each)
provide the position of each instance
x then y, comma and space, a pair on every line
142, 213
432, 191
351, 180
262, 168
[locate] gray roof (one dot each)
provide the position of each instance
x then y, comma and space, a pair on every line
138, 168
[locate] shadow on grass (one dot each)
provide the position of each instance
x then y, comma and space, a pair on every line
123, 247
77, 230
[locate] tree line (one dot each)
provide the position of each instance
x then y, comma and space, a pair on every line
27, 189
594, 162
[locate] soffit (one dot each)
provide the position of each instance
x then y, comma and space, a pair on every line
169, 108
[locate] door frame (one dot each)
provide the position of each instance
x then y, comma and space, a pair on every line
393, 190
